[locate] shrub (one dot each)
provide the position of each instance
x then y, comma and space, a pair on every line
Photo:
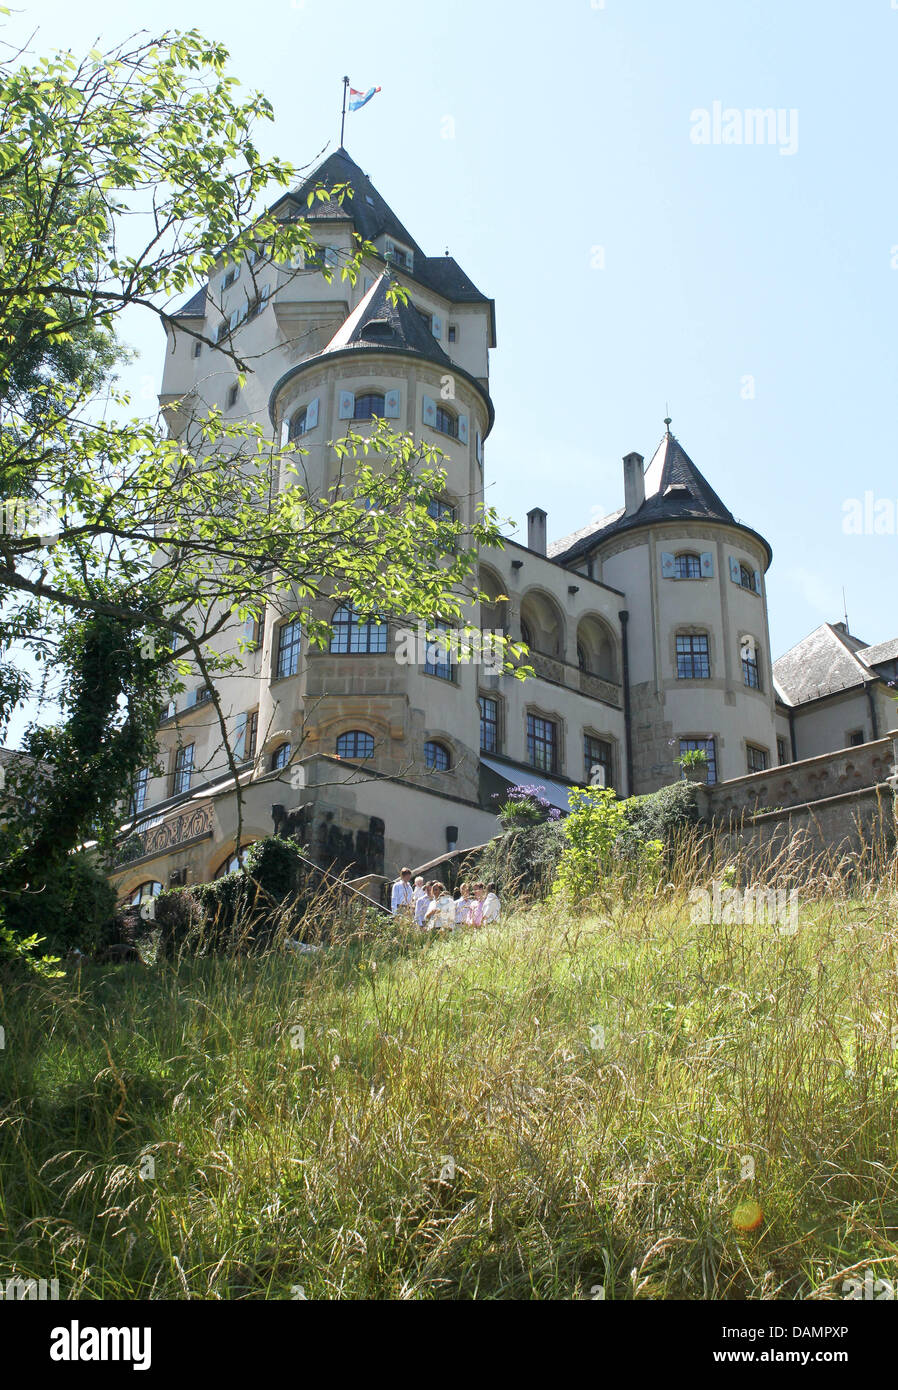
600, 843
74, 905
522, 862
661, 815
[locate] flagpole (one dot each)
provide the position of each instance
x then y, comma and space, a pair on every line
343, 117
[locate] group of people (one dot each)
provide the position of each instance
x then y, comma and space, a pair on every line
432, 907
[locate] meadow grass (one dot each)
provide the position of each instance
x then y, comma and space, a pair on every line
546, 1108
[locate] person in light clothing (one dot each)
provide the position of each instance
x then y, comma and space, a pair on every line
462, 903
475, 906
403, 896
422, 899
440, 915
491, 905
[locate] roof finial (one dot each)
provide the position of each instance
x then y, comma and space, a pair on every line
667, 417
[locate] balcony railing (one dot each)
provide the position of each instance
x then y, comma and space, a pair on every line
596, 687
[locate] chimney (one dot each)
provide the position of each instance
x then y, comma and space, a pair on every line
634, 483
536, 530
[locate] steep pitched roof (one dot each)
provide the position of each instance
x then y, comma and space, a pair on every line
371, 215
376, 323
826, 661
195, 308
878, 655
675, 490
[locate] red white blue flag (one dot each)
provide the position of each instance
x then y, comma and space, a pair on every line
358, 99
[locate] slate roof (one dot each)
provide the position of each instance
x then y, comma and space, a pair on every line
824, 662
376, 323
372, 217
878, 655
674, 490
195, 308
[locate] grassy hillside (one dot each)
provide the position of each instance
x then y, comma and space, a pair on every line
536, 1110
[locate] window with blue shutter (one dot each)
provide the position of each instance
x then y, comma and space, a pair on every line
436, 326
463, 429
735, 570
391, 405
757, 581
347, 405
311, 415
240, 738
478, 447
429, 411
707, 564
668, 565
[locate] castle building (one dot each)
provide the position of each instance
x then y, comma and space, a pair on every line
648, 630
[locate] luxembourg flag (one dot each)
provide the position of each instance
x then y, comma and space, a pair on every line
358, 99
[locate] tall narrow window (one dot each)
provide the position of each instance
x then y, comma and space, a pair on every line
693, 661
437, 658
756, 758
751, 674
782, 755
139, 796
183, 769
280, 757
436, 757
289, 639
597, 768
542, 743
489, 724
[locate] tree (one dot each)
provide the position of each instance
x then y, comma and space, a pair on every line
124, 178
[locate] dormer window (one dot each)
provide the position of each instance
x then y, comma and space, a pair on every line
398, 255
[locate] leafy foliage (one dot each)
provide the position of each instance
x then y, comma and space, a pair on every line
522, 862
663, 814
600, 844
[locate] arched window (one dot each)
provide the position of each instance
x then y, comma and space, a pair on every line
151, 889
436, 757
747, 578
446, 422
369, 405
350, 637
355, 744
298, 423
232, 863
280, 757
687, 566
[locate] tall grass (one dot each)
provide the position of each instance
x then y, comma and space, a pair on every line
546, 1108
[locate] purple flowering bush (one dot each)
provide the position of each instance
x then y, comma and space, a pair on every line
525, 805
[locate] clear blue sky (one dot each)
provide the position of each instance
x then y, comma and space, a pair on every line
572, 128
